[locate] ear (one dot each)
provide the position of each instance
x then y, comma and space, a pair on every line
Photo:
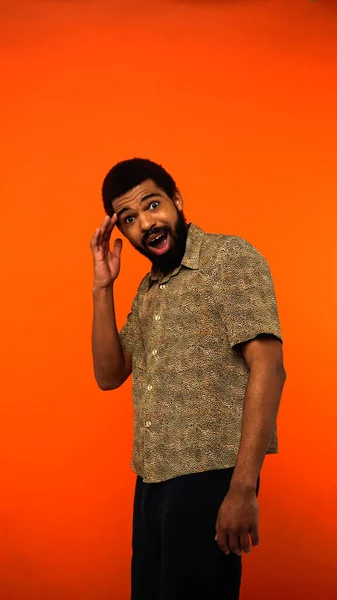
178, 201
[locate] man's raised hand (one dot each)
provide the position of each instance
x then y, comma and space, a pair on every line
106, 261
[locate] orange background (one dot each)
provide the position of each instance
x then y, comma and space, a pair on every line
238, 99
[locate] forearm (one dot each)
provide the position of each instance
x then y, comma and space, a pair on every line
108, 355
261, 405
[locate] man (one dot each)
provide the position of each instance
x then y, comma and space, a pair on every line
204, 347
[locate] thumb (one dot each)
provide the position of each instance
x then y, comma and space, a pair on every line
117, 248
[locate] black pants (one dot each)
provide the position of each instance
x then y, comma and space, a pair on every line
175, 555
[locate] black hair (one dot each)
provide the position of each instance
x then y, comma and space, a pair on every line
127, 174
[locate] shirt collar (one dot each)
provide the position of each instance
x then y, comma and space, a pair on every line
190, 259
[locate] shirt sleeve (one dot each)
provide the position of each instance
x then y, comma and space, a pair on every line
130, 330
246, 295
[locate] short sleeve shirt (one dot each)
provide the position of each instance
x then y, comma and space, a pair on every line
189, 377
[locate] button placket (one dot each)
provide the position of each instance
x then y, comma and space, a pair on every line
154, 352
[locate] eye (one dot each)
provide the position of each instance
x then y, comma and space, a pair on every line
154, 202
126, 220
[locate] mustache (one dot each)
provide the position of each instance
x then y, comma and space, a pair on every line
153, 231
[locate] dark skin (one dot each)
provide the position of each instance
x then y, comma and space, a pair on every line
144, 208
237, 526
136, 213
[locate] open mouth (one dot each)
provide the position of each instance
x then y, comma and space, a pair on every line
160, 243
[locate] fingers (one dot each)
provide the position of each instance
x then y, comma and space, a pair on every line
234, 544
222, 540
117, 247
244, 543
237, 543
254, 534
107, 227
103, 233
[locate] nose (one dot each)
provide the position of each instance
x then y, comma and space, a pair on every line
147, 222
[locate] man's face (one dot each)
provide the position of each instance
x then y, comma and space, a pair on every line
154, 224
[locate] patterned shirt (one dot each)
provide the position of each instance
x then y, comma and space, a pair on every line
189, 377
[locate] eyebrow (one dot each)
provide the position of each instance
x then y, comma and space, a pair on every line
147, 197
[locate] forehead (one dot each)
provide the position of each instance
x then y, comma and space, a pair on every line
132, 198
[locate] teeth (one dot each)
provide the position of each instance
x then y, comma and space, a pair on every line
157, 238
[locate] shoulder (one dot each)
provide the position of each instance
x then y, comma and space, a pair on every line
232, 260
229, 249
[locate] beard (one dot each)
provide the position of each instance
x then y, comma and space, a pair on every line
172, 258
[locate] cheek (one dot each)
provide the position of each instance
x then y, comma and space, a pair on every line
134, 235
169, 216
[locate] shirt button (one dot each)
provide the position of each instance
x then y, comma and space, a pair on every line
162, 285
154, 352
157, 317
149, 387
148, 424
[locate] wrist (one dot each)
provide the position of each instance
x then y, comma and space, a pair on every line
242, 486
102, 290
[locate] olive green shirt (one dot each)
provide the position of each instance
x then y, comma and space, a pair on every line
189, 376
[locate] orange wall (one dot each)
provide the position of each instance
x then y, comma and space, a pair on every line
238, 99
